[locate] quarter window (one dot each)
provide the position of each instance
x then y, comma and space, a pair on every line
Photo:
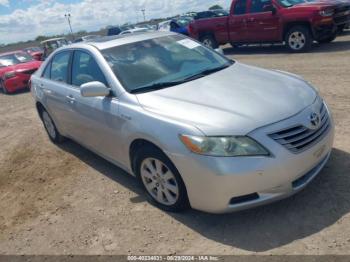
240, 7
47, 71
85, 69
59, 67
260, 6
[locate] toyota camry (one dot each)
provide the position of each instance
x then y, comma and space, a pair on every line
196, 128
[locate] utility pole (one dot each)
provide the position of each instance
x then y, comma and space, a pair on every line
68, 16
144, 14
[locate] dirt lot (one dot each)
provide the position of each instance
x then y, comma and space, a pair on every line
66, 200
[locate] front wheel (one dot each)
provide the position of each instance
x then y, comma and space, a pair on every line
209, 41
161, 180
2, 86
298, 39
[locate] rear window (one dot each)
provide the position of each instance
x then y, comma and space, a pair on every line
240, 7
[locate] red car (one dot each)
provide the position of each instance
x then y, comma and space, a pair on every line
16, 69
35, 52
296, 22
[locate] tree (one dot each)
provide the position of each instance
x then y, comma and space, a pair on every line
215, 7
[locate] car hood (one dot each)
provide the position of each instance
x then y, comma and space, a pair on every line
234, 101
21, 67
320, 4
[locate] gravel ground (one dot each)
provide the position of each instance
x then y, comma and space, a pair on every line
67, 200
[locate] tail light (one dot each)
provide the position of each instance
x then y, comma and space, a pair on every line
9, 75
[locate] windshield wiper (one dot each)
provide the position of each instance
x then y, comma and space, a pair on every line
161, 85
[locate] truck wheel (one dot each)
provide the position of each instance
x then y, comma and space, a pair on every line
298, 39
209, 41
328, 39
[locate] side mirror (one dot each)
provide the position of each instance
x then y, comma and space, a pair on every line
219, 50
94, 89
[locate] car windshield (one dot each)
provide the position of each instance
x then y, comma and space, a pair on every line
221, 13
289, 3
33, 49
182, 22
14, 59
162, 62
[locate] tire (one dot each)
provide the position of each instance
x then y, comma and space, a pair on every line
209, 41
160, 179
327, 40
50, 128
298, 39
2, 86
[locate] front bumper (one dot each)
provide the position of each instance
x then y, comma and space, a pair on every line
17, 83
221, 184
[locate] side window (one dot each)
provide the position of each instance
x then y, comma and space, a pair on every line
59, 67
47, 71
240, 7
85, 69
259, 6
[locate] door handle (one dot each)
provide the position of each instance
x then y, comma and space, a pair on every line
70, 99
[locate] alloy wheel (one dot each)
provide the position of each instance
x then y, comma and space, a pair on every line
159, 181
208, 43
297, 40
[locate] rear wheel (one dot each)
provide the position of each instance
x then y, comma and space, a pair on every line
50, 128
298, 39
209, 41
161, 180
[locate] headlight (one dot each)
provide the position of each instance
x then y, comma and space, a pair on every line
9, 75
327, 12
224, 146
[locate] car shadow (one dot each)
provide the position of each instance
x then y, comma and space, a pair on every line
319, 206
337, 46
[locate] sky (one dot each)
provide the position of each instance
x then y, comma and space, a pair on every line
22, 20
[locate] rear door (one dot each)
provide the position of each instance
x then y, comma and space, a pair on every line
54, 87
263, 24
237, 24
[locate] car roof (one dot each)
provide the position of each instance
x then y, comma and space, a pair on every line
12, 52
106, 42
53, 39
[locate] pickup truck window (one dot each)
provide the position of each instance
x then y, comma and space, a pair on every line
259, 6
289, 3
240, 7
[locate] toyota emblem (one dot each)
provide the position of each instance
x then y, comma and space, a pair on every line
315, 120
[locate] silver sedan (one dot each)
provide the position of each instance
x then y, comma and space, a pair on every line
197, 129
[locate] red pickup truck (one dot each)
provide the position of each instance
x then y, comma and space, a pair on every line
296, 22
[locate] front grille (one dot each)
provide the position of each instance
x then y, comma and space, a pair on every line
342, 15
29, 72
299, 138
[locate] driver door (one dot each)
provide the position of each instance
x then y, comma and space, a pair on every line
263, 24
97, 123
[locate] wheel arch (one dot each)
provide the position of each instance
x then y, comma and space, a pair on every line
40, 108
290, 25
136, 145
